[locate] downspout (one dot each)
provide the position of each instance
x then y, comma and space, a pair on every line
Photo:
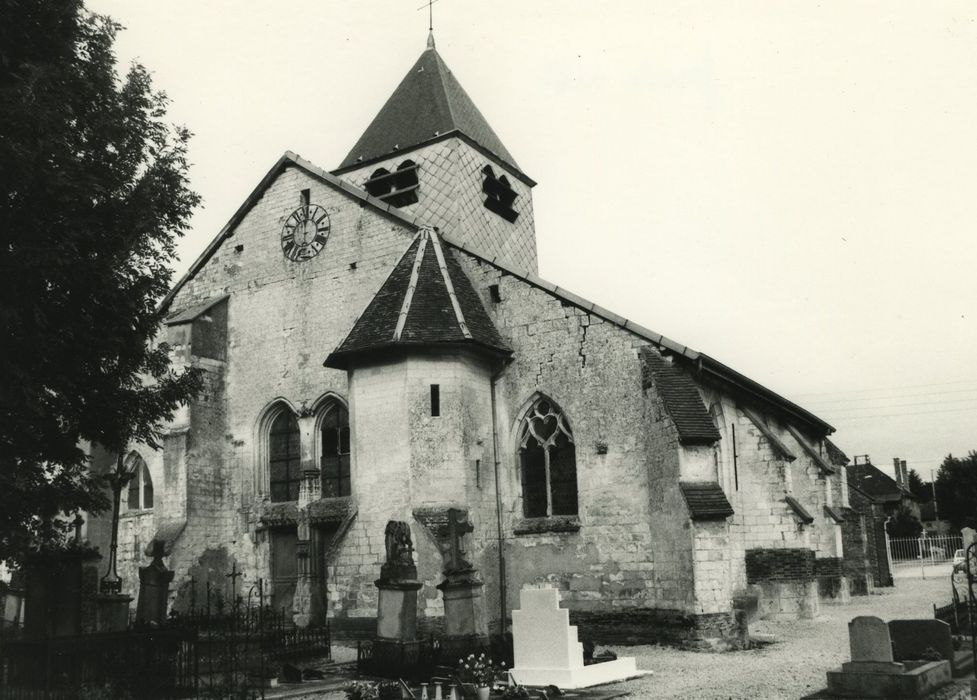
498, 505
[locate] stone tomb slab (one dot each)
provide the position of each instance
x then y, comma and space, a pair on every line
546, 649
917, 639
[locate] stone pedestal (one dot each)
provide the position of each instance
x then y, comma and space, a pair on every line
154, 588
397, 610
112, 612
465, 627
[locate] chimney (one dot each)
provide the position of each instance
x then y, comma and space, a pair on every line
905, 474
898, 469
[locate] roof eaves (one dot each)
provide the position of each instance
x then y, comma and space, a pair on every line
706, 500
811, 452
771, 436
578, 301
717, 369
453, 133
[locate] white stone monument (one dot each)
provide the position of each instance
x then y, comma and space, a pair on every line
547, 651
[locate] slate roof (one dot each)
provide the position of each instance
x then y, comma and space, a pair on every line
706, 500
681, 397
426, 301
875, 483
799, 510
428, 103
191, 313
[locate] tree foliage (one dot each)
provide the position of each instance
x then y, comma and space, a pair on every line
94, 195
956, 490
904, 523
919, 488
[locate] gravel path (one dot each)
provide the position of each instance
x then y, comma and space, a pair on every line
789, 668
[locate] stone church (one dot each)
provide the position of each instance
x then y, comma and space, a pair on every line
377, 345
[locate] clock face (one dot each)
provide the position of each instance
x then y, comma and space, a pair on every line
305, 232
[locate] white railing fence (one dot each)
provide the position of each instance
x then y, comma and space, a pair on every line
923, 551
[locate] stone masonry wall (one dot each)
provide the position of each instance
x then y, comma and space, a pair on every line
283, 317
633, 547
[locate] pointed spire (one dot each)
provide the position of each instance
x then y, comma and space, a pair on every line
428, 103
430, 38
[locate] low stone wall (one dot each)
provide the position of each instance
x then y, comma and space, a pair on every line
830, 574
713, 631
784, 582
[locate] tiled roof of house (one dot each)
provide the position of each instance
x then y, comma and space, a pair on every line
427, 300
681, 397
428, 103
875, 483
706, 500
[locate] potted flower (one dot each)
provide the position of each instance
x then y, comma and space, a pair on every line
361, 690
480, 672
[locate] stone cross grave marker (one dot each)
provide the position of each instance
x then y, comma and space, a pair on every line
451, 534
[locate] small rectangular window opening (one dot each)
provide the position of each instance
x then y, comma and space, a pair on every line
494, 293
478, 473
435, 399
306, 198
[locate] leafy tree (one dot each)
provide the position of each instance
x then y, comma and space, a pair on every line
919, 488
904, 524
93, 194
956, 490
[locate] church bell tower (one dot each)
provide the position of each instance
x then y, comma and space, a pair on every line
430, 153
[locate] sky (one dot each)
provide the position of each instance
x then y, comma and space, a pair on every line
787, 187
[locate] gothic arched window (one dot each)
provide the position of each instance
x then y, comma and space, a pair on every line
335, 452
548, 462
140, 496
283, 457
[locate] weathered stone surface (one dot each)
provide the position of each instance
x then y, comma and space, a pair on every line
869, 639
918, 639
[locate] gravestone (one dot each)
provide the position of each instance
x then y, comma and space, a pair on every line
872, 672
154, 587
922, 639
871, 647
546, 649
465, 626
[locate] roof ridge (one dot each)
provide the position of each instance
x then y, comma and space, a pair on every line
442, 66
449, 286
411, 286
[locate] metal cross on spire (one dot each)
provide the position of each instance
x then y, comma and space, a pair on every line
430, 14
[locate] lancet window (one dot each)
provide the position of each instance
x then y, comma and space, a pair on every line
140, 496
548, 462
335, 452
283, 457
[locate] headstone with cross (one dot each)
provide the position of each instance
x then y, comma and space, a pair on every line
154, 587
449, 535
234, 576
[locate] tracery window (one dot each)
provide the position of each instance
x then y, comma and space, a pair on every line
140, 496
335, 453
548, 462
283, 457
